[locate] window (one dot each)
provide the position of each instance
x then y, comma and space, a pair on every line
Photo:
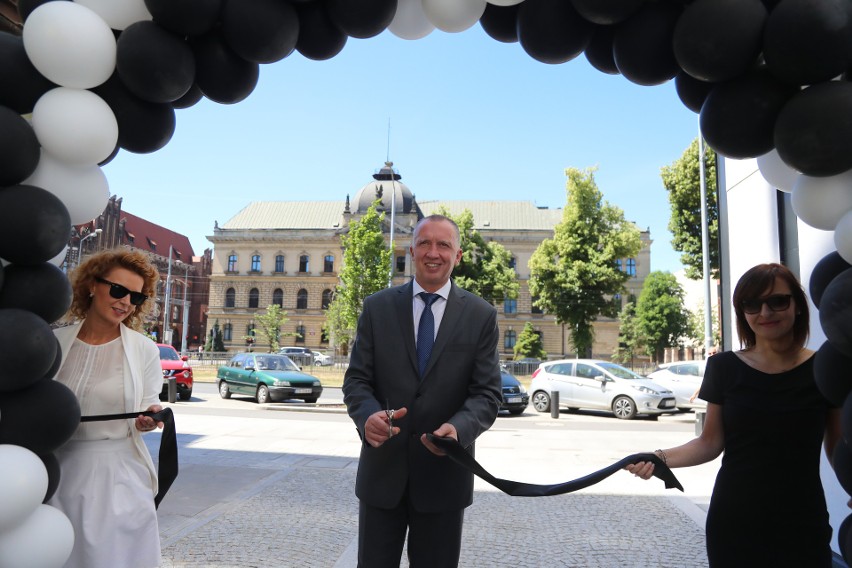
255, 263
227, 331
328, 264
513, 262
254, 298
279, 263
510, 306
509, 339
587, 371
324, 336
232, 263
535, 309
302, 299
326, 298
300, 330
618, 264
304, 263
278, 297
631, 267
230, 298
400, 264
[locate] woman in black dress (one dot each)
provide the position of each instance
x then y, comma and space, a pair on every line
764, 410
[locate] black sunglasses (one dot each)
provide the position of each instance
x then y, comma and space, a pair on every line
118, 291
776, 303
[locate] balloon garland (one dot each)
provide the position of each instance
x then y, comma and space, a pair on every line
90, 78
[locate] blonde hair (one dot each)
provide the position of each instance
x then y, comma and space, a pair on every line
98, 265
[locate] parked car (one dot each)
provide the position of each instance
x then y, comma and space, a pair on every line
589, 383
684, 379
524, 366
177, 366
322, 359
267, 377
515, 396
302, 356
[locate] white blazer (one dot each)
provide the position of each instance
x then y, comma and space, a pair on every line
143, 379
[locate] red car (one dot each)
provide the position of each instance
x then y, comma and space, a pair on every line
175, 365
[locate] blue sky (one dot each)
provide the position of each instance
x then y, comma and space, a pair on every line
470, 118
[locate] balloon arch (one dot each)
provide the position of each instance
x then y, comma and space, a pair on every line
769, 79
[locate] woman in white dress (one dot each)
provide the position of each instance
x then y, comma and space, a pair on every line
107, 479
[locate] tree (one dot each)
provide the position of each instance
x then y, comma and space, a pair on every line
575, 274
661, 318
682, 181
629, 338
485, 268
529, 344
214, 341
366, 268
269, 324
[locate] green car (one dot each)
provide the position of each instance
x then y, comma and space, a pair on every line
267, 377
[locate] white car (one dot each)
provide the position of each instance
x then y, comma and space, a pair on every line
321, 359
684, 379
588, 383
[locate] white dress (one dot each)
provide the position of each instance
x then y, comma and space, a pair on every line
104, 488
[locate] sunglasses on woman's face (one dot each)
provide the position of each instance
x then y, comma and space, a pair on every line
118, 291
776, 303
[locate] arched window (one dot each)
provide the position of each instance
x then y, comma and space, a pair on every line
509, 339
254, 298
326, 298
304, 263
278, 297
302, 299
279, 263
230, 298
232, 263
328, 263
255, 263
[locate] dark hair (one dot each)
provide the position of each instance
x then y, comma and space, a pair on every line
758, 280
437, 218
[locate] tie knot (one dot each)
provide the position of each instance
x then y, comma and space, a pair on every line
428, 298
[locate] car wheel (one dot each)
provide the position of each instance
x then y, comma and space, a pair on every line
541, 401
185, 394
624, 408
224, 390
310, 399
262, 394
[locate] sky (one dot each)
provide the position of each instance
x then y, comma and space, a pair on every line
461, 116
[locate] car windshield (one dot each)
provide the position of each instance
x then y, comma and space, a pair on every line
619, 371
168, 354
275, 363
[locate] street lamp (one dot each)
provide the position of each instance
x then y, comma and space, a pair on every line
93, 234
167, 332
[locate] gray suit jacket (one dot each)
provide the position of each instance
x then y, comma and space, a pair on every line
461, 385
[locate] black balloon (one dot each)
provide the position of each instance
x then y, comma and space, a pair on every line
185, 17
808, 41
642, 45
21, 85
40, 418
154, 64
831, 374
27, 350
34, 225
262, 31
192, 96
19, 148
361, 18
835, 313
823, 273
51, 464
717, 40
501, 22
143, 127
813, 133
607, 12
738, 117
41, 288
222, 75
319, 39
111, 156
692, 92
551, 31
57, 362
599, 51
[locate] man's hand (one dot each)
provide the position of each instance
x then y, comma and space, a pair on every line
446, 430
379, 427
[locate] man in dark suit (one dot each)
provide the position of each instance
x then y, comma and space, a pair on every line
404, 481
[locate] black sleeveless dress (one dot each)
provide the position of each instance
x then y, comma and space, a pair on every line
768, 505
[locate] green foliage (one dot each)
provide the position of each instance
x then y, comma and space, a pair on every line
215, 342
269, 324
682, 180
696, 327
529, 344
574, 274
484, 268
629, 339
661, 318
366, 270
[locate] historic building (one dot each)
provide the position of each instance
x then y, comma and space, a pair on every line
288, 253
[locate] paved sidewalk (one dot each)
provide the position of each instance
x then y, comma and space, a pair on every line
261, 492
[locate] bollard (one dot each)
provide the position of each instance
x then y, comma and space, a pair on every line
172, 389
699, 421
554, 404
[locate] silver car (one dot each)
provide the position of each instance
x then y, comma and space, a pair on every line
684, 379
588, 383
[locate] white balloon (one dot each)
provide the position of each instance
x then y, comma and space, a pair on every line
776, 172
70, 45
23, 485
410, 22
75, 125
453, 16
822, 201
118, 14
44, 540
505, 2
843, 237
83, 189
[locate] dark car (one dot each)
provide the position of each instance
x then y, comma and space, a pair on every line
267, 377
515, 396
176, 366
301, 356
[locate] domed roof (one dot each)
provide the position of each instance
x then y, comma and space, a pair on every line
386, 184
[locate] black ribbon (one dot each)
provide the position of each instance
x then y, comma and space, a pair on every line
167, 463
517, 489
